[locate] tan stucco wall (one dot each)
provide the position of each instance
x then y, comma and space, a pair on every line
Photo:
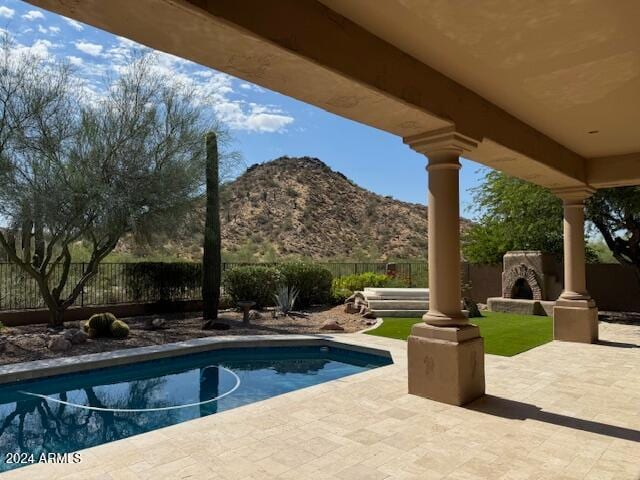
612, 286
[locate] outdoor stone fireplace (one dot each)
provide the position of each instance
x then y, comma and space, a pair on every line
531, 282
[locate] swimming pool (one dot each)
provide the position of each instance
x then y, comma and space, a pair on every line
73, 411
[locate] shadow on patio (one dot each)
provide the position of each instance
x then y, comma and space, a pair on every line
512, 409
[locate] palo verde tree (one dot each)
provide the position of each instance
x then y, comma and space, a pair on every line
615, 212
517, 215
129, 162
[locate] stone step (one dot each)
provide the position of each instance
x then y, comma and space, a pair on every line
397, 304
396, 293
399, 313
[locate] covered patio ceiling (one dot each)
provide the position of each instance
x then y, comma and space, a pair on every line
551, 91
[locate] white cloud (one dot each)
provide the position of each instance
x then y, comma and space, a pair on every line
75, 24
267, 122
6, 12
77, 61
33, 15
223, 96
204, 73
54, 29
254, 118
39, 48
41, 29
89, 48
250, 86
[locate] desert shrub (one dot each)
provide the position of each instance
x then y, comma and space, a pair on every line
225, 301
313, 282
252, 282
397, 282
360, 281
99, 325
343, 287
162, 281
339, 295
292, 192
119, 329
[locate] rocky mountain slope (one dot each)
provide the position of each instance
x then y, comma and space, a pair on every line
300, 207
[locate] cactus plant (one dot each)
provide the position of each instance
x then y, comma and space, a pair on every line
211, 260
101, 323
91, 332
119, 329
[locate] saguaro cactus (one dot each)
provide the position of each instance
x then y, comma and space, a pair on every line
211, 259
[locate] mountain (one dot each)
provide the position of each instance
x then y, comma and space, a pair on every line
300, 207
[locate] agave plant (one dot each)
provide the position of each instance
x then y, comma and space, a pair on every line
286, 298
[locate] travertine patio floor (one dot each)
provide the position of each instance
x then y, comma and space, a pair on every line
560, 411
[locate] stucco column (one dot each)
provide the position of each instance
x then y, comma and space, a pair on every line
446, 352
575, 316
444, 238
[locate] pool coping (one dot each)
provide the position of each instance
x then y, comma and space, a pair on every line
57, 366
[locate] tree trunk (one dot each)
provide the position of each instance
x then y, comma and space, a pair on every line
56, 318
211, 259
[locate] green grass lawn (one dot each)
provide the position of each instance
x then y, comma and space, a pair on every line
504, 333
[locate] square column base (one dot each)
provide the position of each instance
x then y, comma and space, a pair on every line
575, 321
446, 364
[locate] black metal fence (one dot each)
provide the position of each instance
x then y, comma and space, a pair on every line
118, 283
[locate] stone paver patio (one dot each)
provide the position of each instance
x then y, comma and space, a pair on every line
560, 411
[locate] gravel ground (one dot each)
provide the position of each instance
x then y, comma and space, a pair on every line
28, 343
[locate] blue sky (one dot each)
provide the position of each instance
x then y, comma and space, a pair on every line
264, 124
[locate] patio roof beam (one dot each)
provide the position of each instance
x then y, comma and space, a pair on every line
305, 50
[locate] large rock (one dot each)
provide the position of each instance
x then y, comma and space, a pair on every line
332, 325
59, 344
254, 315
155, 323
79, 337
350, 307
472, 307
75, 336
68, 333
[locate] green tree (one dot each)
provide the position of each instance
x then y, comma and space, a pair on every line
517, 215
76, 169
615, 212
514, 215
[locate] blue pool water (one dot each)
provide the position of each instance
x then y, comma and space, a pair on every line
75, 411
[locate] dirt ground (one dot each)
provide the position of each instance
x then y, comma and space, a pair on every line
28, 343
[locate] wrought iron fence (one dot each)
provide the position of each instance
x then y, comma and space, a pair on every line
145, 282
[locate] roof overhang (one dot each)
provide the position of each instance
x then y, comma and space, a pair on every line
357, 68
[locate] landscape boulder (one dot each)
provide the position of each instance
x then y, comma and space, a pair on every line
254, 315
155, 323
471, 307
75, 336
59, 344
79, 337
68, 334
332, 325
350, 307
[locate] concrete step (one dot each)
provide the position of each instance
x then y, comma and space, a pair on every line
398, 304
396, 293
399, 313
